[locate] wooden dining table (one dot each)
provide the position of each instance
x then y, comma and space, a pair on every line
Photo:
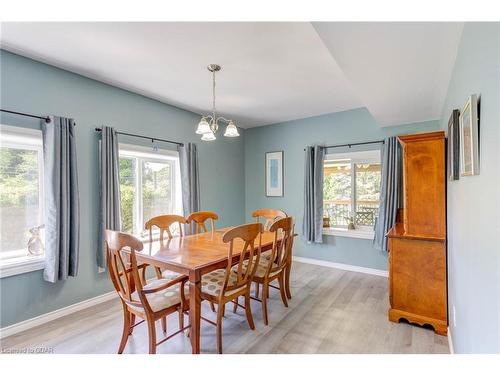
194, 256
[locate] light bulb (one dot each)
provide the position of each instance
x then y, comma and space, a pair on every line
203, 127
231, 130
208, 137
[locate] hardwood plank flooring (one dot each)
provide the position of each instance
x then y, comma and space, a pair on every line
331, 311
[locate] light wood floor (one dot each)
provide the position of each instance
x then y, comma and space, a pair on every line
331, 311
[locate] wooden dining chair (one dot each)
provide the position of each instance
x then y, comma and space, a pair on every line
267, 270
164, 224
270, 215
226, 285
150, 302
199, 219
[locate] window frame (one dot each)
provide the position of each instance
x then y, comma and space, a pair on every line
18, 261
354, 158
145, 154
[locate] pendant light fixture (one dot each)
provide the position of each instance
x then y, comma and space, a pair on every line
209, 124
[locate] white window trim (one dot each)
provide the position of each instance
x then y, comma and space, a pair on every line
352, 233
370, 156
19, 265
16, 262
142, 153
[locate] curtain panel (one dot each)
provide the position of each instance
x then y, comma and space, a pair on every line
312, 224
190, 180
61, 206
109, 214
390, 191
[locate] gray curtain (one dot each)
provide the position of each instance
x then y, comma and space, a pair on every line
390, 191
62, 211
109, 215
190, 180
312, 224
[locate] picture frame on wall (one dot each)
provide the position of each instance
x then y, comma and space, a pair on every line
454, 146
469, 138
274, 174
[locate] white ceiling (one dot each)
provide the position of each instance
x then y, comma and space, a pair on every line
272, 72
401, 71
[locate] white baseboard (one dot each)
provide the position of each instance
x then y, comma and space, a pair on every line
45, 318
342, 266
450, 342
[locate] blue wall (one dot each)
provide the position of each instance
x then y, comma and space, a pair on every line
33, 87
473, 202
291, 137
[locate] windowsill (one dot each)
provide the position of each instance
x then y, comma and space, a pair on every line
353, 233
18, 265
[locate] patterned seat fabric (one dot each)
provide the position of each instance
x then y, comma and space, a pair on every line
262, 266
266, 255
212, 282
263, 261
163, 299
170, 275
261, 271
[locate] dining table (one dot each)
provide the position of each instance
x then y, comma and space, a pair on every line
195, 255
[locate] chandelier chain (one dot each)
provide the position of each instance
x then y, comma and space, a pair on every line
213, 94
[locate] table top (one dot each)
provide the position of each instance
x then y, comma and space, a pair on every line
196, 251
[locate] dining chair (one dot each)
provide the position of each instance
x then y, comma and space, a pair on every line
270, 215
226, 285
267, 270
199, 218
149, 301
164, 224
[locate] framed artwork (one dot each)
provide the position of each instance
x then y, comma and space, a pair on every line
274, 174
454, 146
469, 138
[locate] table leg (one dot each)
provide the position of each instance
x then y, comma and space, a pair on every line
195, 312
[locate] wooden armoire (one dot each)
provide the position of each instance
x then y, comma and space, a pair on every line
417, 243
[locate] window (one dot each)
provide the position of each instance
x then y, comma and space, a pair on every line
352, 191
21, 200
149, 186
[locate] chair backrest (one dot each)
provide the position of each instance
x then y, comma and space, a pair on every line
199, 218
125, 277
270, 215
248, 233
164, 222
282, 245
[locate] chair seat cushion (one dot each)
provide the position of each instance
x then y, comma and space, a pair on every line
267, 255
170, 275
162, 299
261, 272
263, 261
262, 267
212, 282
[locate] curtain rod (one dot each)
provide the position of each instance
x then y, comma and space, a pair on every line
354, 144
46, 118
145, 137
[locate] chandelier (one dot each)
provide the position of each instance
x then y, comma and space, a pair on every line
209, 124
